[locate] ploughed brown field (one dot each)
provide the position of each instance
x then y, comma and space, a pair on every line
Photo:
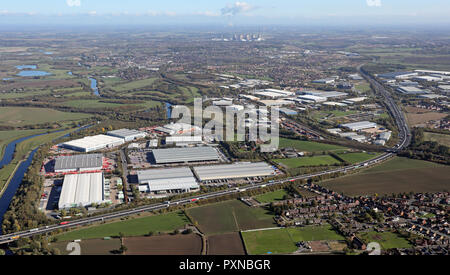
91, 247
226, 244
404, 181
418, 116
190, 244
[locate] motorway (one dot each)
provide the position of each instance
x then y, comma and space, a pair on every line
404, 140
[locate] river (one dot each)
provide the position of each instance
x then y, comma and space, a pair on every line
94, 86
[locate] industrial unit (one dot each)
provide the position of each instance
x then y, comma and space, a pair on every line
358, 126
78, 163
184, 140
81, 190
184, 155
93, 143
127, 135
233, 171
162, 181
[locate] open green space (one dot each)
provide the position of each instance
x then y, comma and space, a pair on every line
283, 241
443, 139
308, 161
20, 116
230, 216
399, 175
309, 146
272, 196
387, 240
7, 137
130, 228
357, 157
138, 84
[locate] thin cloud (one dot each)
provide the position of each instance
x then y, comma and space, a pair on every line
73, 3
237, 8
373, 3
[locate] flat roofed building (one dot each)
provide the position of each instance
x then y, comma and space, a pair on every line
127, 135
81, 190
233, 171
93, 143
79, 163
332, 94
184, 140
173, 180
408, 90
312, 98
357, 126
185, 155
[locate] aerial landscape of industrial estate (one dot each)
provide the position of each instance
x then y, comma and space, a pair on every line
93, 153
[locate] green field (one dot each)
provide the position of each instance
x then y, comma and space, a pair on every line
324, 160
130, 228
138, 84
86, 103
357, 157
283, 241
230, 216
272, 196
309, 146
20, 116
442, 139
400, 175
387, 240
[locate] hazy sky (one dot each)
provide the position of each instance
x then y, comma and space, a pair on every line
224, 12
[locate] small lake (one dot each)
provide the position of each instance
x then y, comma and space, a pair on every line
7, 79
94, 86
24, 67
169, 110
70, 73
33, 73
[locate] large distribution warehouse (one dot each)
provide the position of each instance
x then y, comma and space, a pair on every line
358, 126
174, 180
184, 155
82, 190
127, 135
93, 143
234, 171
78, 163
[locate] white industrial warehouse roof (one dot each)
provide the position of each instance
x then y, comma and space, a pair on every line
197, 139
81, 190
93, 141
168, 179
233, 171
177, 155
125, 133
360, 125
78, 162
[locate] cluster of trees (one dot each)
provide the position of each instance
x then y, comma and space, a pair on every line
426, 150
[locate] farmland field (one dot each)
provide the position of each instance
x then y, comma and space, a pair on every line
387, 240
90, 247
132, 227
308, 146
357, 157
180, 244
271, 196
226, 244
20, 116
308, 161
230, 216
395, 176
282, 241
442, 139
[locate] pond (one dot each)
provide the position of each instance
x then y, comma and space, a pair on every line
33, 73
24, 67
